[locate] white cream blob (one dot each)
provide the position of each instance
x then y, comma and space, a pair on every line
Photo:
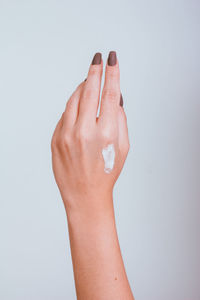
109, 158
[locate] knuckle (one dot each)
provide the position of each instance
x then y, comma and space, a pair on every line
66, 139
88, 93
69, 104
77, 136
93, 71
107, 134
53, 143
111, 95
113, 73
82, 135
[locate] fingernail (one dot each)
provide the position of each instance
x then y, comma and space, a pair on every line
121, 101
85, 79
112, 58
96, 59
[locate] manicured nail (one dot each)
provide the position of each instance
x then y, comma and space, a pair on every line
121, 101
96, 59
112, 58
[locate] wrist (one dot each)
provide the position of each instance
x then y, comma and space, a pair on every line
87, 200
89, 208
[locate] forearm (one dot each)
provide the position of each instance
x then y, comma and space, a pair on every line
98, 266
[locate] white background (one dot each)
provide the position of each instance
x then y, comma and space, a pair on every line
45, 51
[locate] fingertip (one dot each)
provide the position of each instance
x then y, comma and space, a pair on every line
112, 67
112, 58
97, 59
96, 66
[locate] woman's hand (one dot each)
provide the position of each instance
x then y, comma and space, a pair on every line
88, 153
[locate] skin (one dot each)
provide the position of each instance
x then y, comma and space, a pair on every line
86, 190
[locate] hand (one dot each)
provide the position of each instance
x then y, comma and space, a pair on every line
88, 153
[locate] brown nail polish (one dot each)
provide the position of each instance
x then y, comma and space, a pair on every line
112, 58
121, 101
96, 59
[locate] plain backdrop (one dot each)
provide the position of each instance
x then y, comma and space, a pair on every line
46, 48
